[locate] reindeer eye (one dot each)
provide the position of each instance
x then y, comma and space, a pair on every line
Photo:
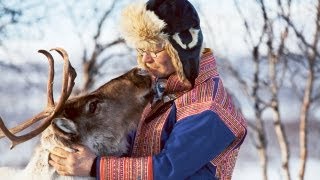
93, 106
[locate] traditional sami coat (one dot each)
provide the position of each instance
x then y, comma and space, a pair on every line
194, 134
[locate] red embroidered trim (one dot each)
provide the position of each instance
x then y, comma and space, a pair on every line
148, 137
207, 68
174, 85
225, 168
113, 168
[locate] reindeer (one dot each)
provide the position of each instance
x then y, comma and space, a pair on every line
100, 120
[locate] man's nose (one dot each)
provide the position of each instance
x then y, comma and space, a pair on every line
146, 58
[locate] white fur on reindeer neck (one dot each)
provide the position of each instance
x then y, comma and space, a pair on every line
38, 167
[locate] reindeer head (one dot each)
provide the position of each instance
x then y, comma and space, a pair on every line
102, 119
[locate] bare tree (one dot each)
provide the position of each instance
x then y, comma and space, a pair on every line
14, 18
274, 37
271, 82
253, 91
90, 64
17, 15
94, 58
274, 56
311, 52
17, 19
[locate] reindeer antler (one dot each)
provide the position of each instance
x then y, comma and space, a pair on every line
52, 110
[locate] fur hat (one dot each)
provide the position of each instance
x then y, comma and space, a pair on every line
173, 24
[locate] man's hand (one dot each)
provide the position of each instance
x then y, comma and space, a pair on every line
77, 163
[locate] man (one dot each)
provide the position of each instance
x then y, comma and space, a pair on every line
191, 130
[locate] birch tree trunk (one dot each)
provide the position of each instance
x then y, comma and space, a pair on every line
261, 147
278, 126
273, 59
259, 129
260, 132
307, 100
304, 124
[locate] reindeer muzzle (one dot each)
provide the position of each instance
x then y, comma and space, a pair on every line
142, 72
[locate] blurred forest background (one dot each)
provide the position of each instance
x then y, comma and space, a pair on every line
268, 54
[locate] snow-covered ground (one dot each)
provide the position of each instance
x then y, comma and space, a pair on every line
247, 166
250, 170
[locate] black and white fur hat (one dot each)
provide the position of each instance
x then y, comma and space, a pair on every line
173, 24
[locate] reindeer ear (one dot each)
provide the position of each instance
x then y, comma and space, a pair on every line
65, 125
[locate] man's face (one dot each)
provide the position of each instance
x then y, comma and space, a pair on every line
158, 62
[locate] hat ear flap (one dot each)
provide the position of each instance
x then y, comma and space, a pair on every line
177, 63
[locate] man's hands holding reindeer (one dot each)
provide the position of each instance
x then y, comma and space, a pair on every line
77, 163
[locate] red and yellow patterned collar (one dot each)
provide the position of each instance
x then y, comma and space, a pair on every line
207, 69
